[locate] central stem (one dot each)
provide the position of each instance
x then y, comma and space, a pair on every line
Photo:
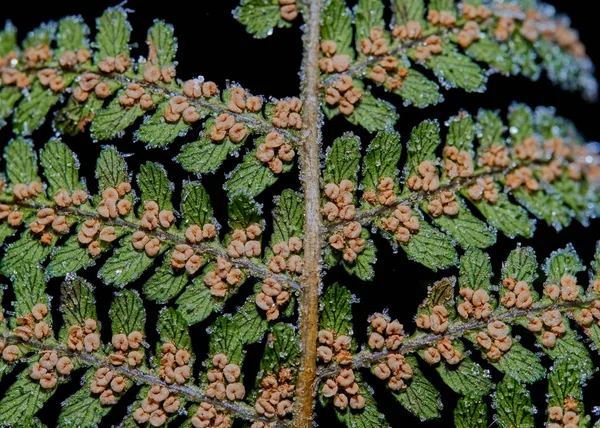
311, 171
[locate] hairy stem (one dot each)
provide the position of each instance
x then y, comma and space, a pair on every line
190, 392
243, 262
365, 359
309, 156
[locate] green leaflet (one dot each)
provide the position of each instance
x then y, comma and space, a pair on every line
461, 132
72, 34
163, 44
111, 121
561, 67
251, 323
369, 417
337, 26
77, 302
282, 351
8, 38
72, 118
467, 377
165, 283
522, 364
111, 169
431, 248
577, 196
8, 98
457, 70
61, 167
562, 262
30, 289
524, 56
44, 34
127, 313
363, 266
424, 140
381, 159
418, 90
447, 5
21, 161
475, 270
367, 14
493, 54
373, 114
155, 186
125, 265
569, 346
521, 265
490, 129
113, 34
467, 229
172, 327
204, 156
82, 409
336, 314
195, 205
513, 404
23, 254
6, 230
564, 381
440, 293
157, 132
409, 10
225, 338
420, 397
196, 303
252, 176
22, 401
342, 160
470, 412
260, 17
243, 211
32, 111
288, 216
545, 206
520, 120
512, 220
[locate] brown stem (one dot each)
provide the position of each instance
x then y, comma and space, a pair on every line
365, 359
311, 171
242, 262
190, 392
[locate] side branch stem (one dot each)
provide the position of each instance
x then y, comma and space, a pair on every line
311, 170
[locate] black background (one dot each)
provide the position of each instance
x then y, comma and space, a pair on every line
213, 44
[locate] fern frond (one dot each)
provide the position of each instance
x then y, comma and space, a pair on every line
483, 316
103, 86
109, 370
486, 177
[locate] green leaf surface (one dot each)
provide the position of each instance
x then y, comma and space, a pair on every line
337, 26
21, 401
409, 10
157, 132
172, 327
373, 114
513, 405
260, 16
545, 206
113, 33
475, 270
367, 14
420, 397
461, 132
252, 324
282, 351
288, 216
69, 257
562, 262
8, 38
521, 265
204, 156
32, 111
424, 140
162, 39
470, 412
467, 377
9, 96
111, 121
77, 302
127, 313
155, 186
61, 167
243, 211
165, 283
510, 219
418, 91
493, 54
225, 338
111, 169
72, 34
195, 204
381, 159
251, 176
522, 364
21, 161
342, 160
125, 265
457, 70
336, 313
196, 303
431, 248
